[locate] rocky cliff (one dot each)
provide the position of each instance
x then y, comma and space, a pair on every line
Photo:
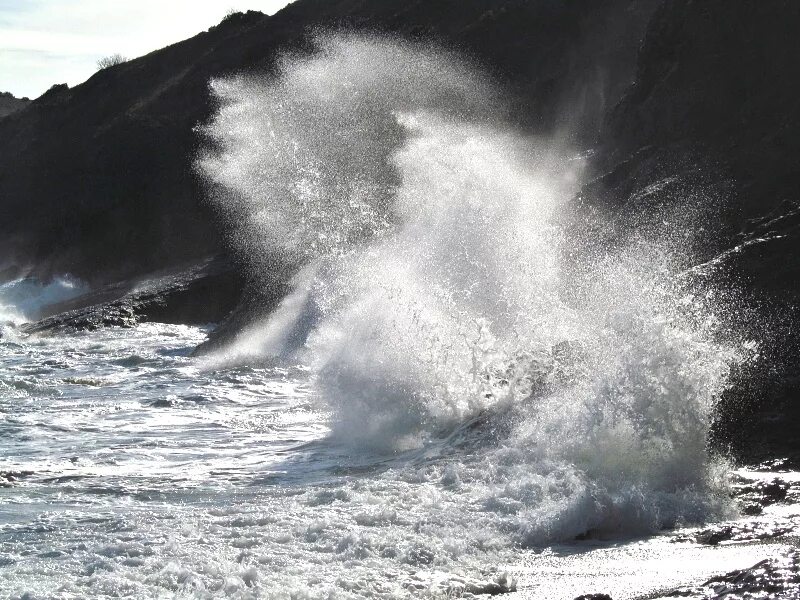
712, 119
98, 180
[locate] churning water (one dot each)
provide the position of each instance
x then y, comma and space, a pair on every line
21, 300
456, 374
438, 298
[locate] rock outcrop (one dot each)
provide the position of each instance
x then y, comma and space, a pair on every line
198, 294
10, 104
712, 120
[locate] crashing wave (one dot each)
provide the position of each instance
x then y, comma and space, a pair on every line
437, 288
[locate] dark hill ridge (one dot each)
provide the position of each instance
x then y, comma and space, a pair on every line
10, 104
98, 180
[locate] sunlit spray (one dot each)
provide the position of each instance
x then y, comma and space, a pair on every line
432, 301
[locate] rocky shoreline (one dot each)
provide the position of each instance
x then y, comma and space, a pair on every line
197, 295
765, 541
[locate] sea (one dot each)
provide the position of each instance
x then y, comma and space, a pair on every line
471, 387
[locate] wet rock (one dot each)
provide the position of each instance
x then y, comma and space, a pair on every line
775, 464
777, 577
200, 294
712, 537
12, 476
502, 583
761, 494
752, 510
9, 478
170, 402
421, 556
740, 532
774, 491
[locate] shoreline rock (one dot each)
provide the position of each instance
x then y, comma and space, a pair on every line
200, 294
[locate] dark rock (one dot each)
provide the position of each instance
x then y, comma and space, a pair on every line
203, 293
712, 81
9, 478
257, 300
9, 273
760, 494
501, 584
775, 491
764, 427
777, 577
712, 118
594, 597
752, 510
9, 104
739, 532
714, 536
12, 476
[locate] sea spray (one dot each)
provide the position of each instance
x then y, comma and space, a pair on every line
302, 159
434, 306
23, 299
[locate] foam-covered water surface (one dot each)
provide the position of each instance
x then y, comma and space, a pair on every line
22, 299
111, 440
130, 469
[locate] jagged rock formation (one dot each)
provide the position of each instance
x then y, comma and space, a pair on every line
713, 113
712, 79
10, 104
98, 180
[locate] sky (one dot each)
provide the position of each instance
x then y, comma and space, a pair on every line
44, 42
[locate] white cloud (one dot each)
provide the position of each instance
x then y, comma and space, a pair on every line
43, 42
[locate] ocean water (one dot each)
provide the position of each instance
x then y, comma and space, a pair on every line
459, 380
130, 470
21, 300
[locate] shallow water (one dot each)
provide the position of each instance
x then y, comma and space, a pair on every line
130, 470
118, 447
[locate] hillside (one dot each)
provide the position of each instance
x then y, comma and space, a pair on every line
98, 180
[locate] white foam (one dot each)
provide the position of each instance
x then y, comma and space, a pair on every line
441, 292
22, 299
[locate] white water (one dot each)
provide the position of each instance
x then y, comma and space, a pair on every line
22, 299
455, 299
141, 474
452, 384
